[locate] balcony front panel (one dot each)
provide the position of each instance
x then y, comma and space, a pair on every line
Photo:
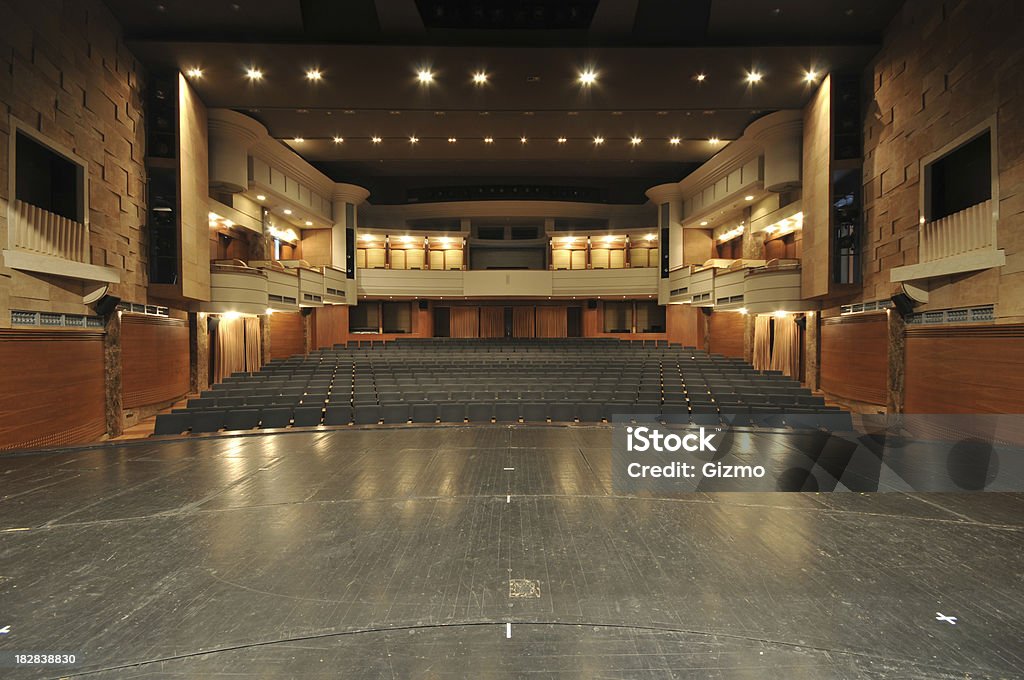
774, 290
702, 287
410, 283
335, 286
729, 293
594, 282
237, 289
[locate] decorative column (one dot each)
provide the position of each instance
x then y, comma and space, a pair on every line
113, 409
346, 200
812, 349
198, 352
897, 359
671, 197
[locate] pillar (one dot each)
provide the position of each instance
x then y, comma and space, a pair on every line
812, 351
669, 200
198, 352
346, 201
112, 366
231, 135
897, 361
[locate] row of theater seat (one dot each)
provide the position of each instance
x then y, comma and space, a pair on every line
494, 381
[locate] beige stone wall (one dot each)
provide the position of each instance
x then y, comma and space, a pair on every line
945, 68
817, 153
65, 72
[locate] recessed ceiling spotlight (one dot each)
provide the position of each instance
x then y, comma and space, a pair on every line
748, 198
488, 140
298, 140
704, 223
588, 77
452, 140
754, 77
338, 140
562, 140
598, 140
287, 211
413, 139
375, 139
480, 78
674, 141
635, 141
700, 77
309, 223
314, 75
522, 140
195, 73
425, 76
811, 76
714, 140
260, 197
253, 74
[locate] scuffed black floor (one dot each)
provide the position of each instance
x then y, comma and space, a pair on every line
388, 553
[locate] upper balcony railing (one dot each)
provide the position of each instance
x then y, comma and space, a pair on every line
41, 231
969, 230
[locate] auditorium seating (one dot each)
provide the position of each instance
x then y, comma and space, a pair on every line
504, 381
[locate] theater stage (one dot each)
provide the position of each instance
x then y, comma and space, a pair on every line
407, 552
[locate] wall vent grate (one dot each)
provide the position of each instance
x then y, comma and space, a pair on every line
20, 317
959, 315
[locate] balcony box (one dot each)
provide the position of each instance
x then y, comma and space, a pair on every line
237, 288
282, 285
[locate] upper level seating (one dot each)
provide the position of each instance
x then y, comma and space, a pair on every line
477, 381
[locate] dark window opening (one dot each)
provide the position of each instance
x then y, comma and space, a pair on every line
48, 180
846, 219
961, 178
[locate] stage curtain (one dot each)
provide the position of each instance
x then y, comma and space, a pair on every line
253, 336
237, 347
762, 343
786, 349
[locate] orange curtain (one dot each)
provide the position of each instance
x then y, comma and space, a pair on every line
253, 353
465, 322
762, 343
523, 322
786, 348
552, 321
237, 347
492, 322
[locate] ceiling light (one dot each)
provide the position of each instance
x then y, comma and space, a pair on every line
742, 310
253, 74
674, 141
339, 140
704, 223
414, 139
609, 238
452, 140
588, 77
714, 140
299, 140
635, 141
260, 197
562, 140
195, 72
309, 223
480, 78
488, 140
753, 77
748, 197
781, 314
407, 239
424, 76
598, 140
367, 237
375, 139
522, 140
314, 75
650, 237
811, 76
287, 211
213, 216
700, 77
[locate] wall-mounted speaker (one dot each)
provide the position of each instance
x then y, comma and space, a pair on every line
904, 305
591, 304
107, 304
306, 311
801, 322
706, 311
212, 322
423, 305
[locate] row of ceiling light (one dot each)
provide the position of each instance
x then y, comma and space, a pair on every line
597, 140
425, 76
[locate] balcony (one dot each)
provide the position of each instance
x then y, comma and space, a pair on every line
236, 288
962, 242
756, 286
335, 286
508, 283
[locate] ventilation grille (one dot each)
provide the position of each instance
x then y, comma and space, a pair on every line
335, 291
960, 315
702, 297
52, 320
732, 299
861, 307
678, 291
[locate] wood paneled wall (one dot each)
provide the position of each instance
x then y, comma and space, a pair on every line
855, 357
552, 321
53, 391
465, 322
963, 369
524, 320
684, 325
287, 335
330, 326
154, 360
492, 322
726, 332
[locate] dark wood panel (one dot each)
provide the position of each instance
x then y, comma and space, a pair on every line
465, 322
154, 360
726, 331
552, 321
53, 391
287, 335
964, 370
855, 357
330, 326
523, 322
492, 322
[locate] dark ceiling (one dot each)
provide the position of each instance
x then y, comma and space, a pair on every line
645, 54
